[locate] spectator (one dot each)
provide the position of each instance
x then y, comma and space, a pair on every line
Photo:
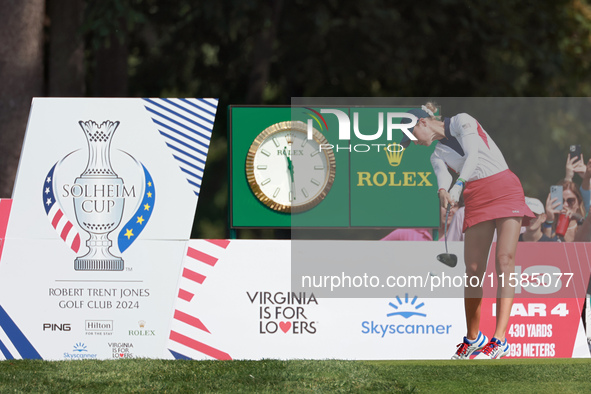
533, 231
576, 165
573, 208
583, 233
422, 234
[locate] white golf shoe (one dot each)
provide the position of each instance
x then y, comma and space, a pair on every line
493, 349
466, 348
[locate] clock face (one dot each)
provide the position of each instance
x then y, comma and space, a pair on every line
286, 171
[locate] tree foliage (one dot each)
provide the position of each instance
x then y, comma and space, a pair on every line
265, 52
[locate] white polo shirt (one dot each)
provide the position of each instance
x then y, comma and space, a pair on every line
468, 150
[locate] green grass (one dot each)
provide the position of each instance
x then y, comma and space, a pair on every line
133, 376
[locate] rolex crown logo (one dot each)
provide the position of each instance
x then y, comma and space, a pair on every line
142, 323
289, 137
394, 153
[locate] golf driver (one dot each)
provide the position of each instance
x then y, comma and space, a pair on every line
447, 258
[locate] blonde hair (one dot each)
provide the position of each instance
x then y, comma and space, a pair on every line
433, 107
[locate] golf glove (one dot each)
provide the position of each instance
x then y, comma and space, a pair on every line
456, 192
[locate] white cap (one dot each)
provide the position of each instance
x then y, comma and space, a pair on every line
535, 205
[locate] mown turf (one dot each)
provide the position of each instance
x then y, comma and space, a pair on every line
266, 376
492, 376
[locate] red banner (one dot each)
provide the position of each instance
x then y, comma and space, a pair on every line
550, 283
5, 205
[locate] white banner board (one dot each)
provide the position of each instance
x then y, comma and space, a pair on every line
96, 261
103, 205
242, 307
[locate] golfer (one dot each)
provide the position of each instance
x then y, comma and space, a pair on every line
494, 200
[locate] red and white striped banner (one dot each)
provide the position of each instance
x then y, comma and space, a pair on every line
189, 337
5, 205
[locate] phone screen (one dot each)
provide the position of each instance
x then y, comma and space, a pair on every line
556, 192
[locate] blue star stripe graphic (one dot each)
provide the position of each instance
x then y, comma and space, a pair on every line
204, 105
178, 356
18, 339
141, 217
190, 112
186, 126
48, 195
56, 216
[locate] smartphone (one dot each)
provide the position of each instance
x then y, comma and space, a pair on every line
575, 151
556, 192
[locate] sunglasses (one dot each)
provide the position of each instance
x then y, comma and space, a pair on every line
571, 201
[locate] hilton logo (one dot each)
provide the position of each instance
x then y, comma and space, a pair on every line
99, 325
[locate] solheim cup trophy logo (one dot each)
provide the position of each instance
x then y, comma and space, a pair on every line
99, 206
99, 199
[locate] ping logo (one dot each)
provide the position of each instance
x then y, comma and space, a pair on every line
406, 309
57, 327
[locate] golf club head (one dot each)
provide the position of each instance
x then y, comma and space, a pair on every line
451, 260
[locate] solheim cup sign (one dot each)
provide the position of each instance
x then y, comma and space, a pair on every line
102, 210
100, 199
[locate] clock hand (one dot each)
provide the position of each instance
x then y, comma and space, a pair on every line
290, 168
289, 164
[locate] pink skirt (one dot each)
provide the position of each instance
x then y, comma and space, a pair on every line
494, 197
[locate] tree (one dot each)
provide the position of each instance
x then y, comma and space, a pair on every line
262, 52
66, 73
21, 79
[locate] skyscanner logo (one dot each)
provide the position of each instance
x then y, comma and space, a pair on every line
406, 308
398, 307
80, 352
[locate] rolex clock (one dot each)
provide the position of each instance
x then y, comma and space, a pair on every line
288, 172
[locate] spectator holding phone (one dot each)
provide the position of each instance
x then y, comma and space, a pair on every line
573, 208
576, 165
